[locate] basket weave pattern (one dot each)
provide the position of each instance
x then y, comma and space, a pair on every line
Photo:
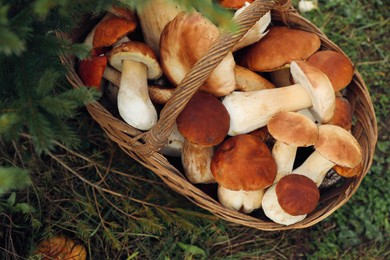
144, 146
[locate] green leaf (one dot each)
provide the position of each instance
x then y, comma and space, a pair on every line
13, 178
7, 122
23, 208
192, 249
11, 200
10, 43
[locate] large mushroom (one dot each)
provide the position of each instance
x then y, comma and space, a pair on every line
91, 70
138, 63
243, 167
251, 110
291, 130
183, 42
335, 146
204, 123
290, 199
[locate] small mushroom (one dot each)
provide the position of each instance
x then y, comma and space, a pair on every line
183, 42
234, 4
335, 146
251, 110
138, 63
204, 123
243, 167
91, 70
335, 65
291, 130
290, 199
60, 247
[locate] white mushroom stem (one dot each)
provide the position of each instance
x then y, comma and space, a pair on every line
196, 161
154, 16
241, 200
174, 146
255, 33
134, 104
251, 110
284, 156
274, 211
315, 167
112, 75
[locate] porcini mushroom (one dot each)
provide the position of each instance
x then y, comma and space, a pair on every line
243, 167
291, 130
183, 42
138, 63
91, 70
290, 199
252, 110
335, 146
335, 65
204, 123
247, 80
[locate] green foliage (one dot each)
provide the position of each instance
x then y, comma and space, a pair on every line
13, 178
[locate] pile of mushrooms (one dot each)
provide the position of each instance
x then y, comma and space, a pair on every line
278, 90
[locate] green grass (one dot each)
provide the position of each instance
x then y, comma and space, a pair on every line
115, 207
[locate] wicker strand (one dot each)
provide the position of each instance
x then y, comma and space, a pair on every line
157, 136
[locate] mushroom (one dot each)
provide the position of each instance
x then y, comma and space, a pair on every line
335, 146
138, 63
110, 31
278, 48
204, 123
60, 247
290, 199
247, 80
243, 167
291, 130
183, 42
307, 5
154, 16
251, 110
91, 70
335, 65
174, 145
234, 4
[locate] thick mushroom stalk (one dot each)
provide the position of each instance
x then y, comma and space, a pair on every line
242, 200
335, 146
291, 199
251, 110
290, 130
137, 63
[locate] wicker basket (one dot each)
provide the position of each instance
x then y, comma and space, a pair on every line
144, 146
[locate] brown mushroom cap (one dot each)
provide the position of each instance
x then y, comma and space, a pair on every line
293, 129
247, 80
204, 120
112, 30
338, 146
348, 172
342, 115
297, 194
335, 65
243, 162
136, 51
233, 4
279, 47
183, 42
91, 70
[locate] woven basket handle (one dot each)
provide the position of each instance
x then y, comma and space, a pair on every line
156, 138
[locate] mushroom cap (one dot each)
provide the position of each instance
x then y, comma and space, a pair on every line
293, 129
204, 120
136, 51
247, 80
318, 86
233, 4
342, 115
91, 70
243, 162
112, 30
124, 12
183, 42
335, 65
338, 146
297, 194
278, 48
348, 172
